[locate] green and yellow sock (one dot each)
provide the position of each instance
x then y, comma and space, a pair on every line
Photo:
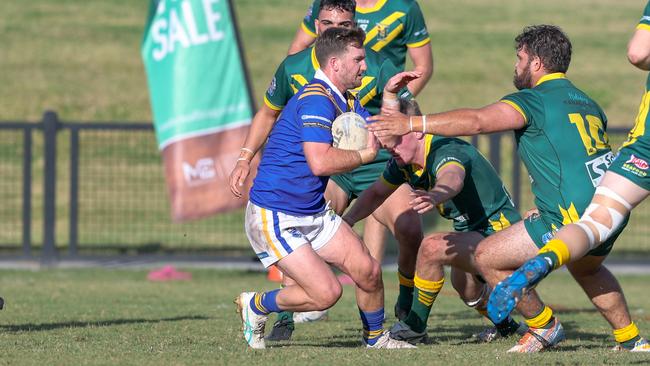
405, 297
543, 320
627, 336
556, 251
424, 295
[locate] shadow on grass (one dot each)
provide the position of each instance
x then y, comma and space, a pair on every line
100, 323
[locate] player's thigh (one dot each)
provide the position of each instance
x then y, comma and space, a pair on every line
396, 212
306, 268
452, 248
337, 194
346, 251
506, 249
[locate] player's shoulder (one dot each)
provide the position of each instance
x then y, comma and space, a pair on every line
299, 60
402, 5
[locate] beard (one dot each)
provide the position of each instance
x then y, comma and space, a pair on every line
524, 80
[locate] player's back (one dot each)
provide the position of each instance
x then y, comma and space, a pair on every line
563, 145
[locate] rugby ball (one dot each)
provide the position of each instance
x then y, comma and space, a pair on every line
349, 132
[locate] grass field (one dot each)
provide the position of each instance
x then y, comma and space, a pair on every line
78, 317
82, 59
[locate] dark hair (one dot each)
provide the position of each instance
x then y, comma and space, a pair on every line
345, 5
547, 42
409, 107
335, 41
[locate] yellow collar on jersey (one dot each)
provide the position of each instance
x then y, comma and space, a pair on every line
371, 9
314, 60
427, 148
553, 76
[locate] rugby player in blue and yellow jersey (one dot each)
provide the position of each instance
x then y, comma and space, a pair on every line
623, 187
291, 75
287, 220
561, 139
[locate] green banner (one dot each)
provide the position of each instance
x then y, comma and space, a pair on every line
194, 69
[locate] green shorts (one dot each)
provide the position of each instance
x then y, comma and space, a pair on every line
501, 219
632, 162
543, 228
358, 180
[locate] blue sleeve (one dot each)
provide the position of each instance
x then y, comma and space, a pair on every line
316, 114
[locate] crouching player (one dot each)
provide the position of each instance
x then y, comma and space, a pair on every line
451, 175
287, 220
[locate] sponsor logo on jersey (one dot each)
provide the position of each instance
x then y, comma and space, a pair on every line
638, 162
381, 31
363, 24
598, 166
272, 87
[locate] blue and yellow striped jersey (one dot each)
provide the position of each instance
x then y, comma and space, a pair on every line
284, 181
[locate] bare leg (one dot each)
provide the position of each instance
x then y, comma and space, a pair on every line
498, 255
602, 288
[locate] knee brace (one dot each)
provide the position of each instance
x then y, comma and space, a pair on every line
591, 225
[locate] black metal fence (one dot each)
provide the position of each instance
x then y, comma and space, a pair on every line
77, 190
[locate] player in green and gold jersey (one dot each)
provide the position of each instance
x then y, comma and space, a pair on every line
451, 175
561, 139
623, 187
291, 75
393, 29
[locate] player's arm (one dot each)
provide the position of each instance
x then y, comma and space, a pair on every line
638, 49
258, 132
326, 160
422, 58
390, 101
460, 122
449, 182
303, 39
368, 201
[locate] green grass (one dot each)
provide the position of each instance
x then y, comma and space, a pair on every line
82, 59
67, 317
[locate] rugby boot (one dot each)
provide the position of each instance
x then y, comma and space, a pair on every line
537, 339
641, 345
508, 292
386, 342
252, 323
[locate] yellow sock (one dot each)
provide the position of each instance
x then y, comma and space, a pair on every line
626, 333
557, 251
542, 319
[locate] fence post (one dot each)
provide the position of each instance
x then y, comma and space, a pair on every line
495, 151
50, 125
27, 192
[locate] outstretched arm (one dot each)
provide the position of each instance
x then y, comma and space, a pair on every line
460, 122
301, 40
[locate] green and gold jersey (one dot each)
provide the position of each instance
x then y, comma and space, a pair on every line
563, 145
390, 25
482, 205
298, 69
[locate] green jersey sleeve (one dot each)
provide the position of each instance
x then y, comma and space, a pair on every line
644, 23
308, 23
416, 29
526, 103
279, 91
393, 175
449, 154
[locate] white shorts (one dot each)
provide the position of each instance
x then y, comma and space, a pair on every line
274, 235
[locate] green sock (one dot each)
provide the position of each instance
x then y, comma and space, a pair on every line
424, 295
405, 297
